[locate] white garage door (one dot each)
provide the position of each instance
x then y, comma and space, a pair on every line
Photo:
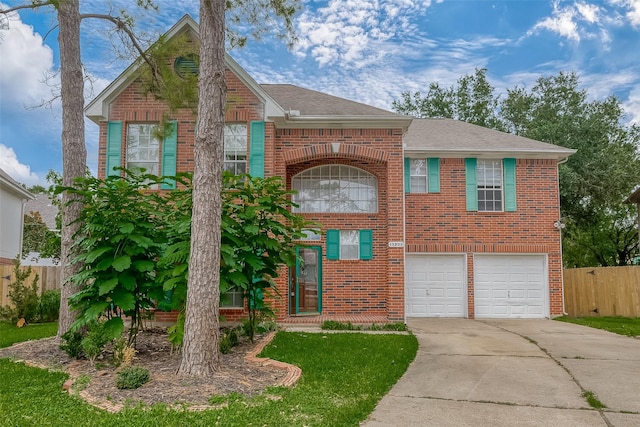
510, 286
435, 286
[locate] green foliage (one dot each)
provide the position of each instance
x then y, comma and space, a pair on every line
96, 338
11, 334
176, 333
338, 368
259, 236
629, 326
132, 377
24, 298
120, 238
72, 344
473, 100
49, 306
594, 182
593, 401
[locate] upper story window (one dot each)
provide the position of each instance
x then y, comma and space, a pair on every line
335, 188
143, 148
489, 185
418, 174
235, 148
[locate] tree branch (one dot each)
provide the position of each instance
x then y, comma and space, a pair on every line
122, 26
27, 6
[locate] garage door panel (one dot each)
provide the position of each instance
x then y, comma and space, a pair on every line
435, 286
510, 286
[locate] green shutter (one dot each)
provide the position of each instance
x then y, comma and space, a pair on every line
333, 244
407, 175
366, 244
169, 156
433, 168
256, 149
509, 185
471, 183
114, 147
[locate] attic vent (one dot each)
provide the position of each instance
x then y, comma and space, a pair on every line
187, 65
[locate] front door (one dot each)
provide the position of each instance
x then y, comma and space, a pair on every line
305, 293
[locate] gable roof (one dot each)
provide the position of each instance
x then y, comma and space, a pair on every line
288, 106
454, 138
13, 186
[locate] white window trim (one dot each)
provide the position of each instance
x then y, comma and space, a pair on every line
235, 162
424, 176
493, 188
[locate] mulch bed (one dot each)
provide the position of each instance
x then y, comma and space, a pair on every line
237, 374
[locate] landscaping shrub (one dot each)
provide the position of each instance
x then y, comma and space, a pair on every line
72, 344
95, 340
49, 306
132, 377
24, 298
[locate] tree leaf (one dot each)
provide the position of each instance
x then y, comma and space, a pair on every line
144, 265
124, 300
94, 254
107, 286
121, 263
113, 327
127, 228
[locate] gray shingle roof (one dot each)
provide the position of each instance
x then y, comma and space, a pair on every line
48, 211
451, 136
14, 186
312, 103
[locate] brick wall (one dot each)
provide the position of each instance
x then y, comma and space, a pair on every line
439, 222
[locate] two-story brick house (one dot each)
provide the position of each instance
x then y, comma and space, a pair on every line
419, 217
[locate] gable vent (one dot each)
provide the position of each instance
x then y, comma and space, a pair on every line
186, 66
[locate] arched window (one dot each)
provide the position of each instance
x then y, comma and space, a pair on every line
335, 188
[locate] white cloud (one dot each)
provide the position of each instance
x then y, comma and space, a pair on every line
632, 105
632, 10
26, 62
589, 12
20, 172
562, 22
355, 33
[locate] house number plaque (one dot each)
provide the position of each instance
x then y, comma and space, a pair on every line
396, 244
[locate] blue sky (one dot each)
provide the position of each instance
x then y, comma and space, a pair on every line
365, 50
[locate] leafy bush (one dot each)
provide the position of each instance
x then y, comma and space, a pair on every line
24, 298
228, 340
49, 307
97, 337
72, 344
132, 377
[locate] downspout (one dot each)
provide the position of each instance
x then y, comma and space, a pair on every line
564, 311
404, 236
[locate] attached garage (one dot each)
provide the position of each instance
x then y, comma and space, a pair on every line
510, 286
435, 286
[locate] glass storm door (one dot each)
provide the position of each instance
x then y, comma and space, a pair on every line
305, 294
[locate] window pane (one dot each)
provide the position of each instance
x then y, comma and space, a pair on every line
143, 148
335, 188
349, 244
489, 185
235, 148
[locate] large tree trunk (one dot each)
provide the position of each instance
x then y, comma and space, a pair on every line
74, 153
201, 356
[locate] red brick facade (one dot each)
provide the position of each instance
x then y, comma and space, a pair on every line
433, 223
440, 223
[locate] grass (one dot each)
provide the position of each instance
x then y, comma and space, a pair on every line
629, 326
593, 401
344, 375
11, 334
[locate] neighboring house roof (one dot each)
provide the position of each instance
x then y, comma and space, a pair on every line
634, 197
14, 187
48, 211
453, 138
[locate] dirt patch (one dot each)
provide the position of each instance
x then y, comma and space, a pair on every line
237, 374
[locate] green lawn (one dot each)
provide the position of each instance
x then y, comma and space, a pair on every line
343, 377
618, 325
10, 334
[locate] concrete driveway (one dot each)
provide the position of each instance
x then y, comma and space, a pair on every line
514, 373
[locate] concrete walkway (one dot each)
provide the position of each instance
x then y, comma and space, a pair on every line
514, 373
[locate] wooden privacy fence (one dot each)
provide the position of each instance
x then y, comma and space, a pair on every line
602, 291
49, 278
